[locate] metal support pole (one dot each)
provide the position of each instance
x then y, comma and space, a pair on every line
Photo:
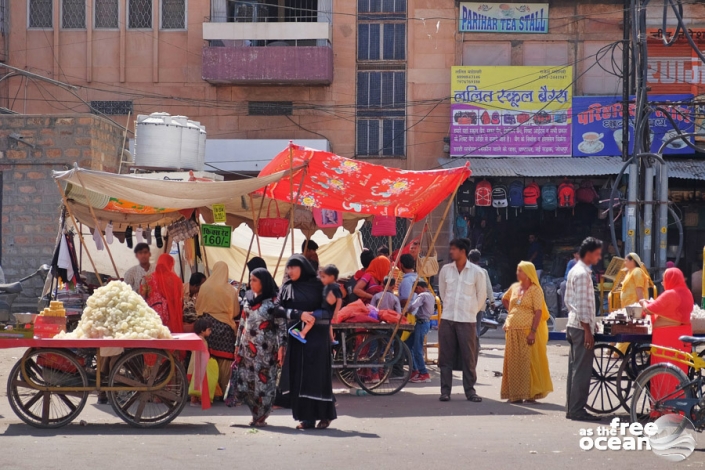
631, 212
648, 216
662, 219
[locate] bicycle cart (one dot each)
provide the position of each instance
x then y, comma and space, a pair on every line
359, 359
147, 387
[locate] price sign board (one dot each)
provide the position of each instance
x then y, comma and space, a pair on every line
217, 236
219, 213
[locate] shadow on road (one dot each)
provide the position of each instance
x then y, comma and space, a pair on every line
75, 429
330, 432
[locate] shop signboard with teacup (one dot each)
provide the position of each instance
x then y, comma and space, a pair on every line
510, 111
597, 125
485, 17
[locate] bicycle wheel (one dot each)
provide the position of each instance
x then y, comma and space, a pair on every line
654, 387
382, 376
47, 368
637, 358
603, 397
148, 367
347, 374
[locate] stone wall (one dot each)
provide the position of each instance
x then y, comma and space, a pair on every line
30, 198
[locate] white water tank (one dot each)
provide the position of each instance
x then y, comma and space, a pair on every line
190, 139
202, 149
158, 140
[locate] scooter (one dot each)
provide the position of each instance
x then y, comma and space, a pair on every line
495, 314
12, 290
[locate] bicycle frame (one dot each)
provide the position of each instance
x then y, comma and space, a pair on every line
688, 359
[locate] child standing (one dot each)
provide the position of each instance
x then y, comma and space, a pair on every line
203, 329
422, 307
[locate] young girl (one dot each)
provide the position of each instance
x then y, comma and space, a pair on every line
203, 329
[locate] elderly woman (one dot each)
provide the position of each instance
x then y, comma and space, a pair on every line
260, 348
372, 282
306, 382
526, 375
670, 314
217, 301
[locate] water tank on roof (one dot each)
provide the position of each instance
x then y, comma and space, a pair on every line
158, 140
190, 140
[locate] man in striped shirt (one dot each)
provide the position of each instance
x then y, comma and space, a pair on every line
580, 301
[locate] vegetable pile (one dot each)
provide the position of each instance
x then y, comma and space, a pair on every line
116, 311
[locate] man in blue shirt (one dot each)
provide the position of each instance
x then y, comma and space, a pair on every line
407, 265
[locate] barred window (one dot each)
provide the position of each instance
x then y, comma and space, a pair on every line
73, 14
173, 14
106, 14
381, 137
41, 14
140, 14
113, 108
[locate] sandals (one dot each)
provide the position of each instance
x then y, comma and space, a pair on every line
303, 426
323, 424
260, 423
297, 334
475, 398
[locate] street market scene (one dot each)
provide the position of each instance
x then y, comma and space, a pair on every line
357, 234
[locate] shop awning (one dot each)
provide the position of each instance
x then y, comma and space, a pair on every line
521, 167
536, 167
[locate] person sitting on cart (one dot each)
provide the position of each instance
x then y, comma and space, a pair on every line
134, 275
387, 300
371, 282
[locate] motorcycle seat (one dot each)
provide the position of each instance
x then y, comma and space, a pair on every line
692, 340
13, 288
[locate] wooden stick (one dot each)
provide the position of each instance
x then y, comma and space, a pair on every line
281, 254
205, 255
97, 226
291, 194
255, 230
396, 262
291, 221
80, 235
423, 265
247, 258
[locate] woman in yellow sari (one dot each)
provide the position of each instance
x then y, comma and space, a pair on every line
635, 286
526, 375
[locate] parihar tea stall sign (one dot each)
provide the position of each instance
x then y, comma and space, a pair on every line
511, 111
598, 128
482, 17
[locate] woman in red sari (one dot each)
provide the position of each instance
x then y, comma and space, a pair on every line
670, 316
163, 291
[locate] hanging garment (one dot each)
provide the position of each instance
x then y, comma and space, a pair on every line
109, 233
98, 241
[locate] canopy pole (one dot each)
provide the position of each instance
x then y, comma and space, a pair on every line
255, 218
281, 253
97, 227
200, 237
423, 265
396, 262
247, 258
291, 194
80, 235
291, 222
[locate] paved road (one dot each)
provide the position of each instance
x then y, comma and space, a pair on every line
411, 429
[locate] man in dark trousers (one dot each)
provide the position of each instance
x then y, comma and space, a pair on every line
580, 330
462, 288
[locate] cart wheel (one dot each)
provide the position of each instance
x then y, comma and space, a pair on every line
604, 397
47, 368
637, 358
379, 377
352, 341
148, 367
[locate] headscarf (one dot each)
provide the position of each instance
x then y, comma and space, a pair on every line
305, 292
407, 249
217, 297
269, 287
676, 302
641, 266
256, 263
529, 269
379, 268
670, 264
169, 286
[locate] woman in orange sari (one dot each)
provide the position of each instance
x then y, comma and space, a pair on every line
163, 291
670, 314
373, 280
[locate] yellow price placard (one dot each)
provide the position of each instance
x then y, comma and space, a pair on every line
219, 213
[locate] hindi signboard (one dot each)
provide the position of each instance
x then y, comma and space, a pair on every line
483, 17
217, 236
510, 111
598, 131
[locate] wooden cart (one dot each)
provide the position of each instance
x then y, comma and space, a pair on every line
147, 387
358, 358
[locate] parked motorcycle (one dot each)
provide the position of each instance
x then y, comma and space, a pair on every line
494, 315
10, 292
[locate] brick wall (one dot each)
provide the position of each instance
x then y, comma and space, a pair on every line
30, 198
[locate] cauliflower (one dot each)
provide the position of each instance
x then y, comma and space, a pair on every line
116, 311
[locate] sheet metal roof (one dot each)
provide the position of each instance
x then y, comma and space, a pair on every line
519, 167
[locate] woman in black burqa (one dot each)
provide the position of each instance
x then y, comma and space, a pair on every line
306, 382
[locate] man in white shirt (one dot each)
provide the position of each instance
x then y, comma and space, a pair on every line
135, 274
462, 287
581, 326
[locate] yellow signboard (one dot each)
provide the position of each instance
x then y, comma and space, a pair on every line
219, 213
517, 111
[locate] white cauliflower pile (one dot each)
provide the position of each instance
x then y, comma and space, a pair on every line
116, 311
697, 319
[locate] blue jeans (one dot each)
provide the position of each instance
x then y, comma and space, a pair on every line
415, 343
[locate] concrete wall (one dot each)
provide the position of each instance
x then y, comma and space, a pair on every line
30, 198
